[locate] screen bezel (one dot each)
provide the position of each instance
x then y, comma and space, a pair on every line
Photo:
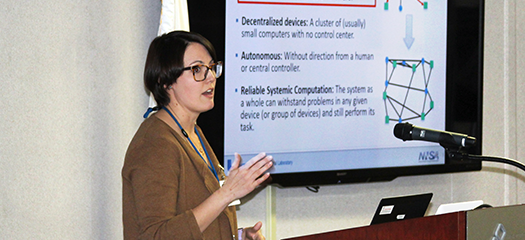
463, 104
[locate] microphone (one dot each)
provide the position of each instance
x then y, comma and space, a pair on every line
407, 131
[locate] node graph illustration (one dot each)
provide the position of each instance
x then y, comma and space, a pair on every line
406, 95
423, 4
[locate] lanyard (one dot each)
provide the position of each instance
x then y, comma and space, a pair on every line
210, 166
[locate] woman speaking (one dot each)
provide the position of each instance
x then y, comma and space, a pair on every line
173, 184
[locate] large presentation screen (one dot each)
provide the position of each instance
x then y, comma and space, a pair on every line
320, 85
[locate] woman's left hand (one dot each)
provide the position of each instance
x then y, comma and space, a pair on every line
253, 233
242, 180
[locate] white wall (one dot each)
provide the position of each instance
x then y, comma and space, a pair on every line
72, 98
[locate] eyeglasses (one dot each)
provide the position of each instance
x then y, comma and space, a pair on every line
200, 71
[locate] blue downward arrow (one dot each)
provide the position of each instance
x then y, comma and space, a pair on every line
408, 37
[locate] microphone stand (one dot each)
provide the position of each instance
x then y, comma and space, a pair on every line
456, 153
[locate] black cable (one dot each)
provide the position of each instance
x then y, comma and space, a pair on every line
482, 206
459, 155
314, 189
498, 159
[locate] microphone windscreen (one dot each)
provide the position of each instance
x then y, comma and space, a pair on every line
402, 131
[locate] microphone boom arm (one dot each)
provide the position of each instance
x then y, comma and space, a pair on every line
457, 154
453, 143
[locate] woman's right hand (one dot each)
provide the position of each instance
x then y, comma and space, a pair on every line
244, 179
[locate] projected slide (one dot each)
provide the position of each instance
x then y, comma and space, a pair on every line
321, 84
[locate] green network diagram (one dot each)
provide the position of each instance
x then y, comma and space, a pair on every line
406, 95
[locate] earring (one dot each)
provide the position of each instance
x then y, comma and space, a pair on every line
170, 87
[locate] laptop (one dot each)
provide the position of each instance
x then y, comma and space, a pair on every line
460, 206
400, 208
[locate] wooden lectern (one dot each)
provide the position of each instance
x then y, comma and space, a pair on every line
490, 223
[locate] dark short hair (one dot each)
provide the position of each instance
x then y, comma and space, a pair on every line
165, 61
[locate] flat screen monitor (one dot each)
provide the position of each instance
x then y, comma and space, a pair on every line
320, 85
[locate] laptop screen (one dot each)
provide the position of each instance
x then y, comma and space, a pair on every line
400, 208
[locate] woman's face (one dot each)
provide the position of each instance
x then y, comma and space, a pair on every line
195, 97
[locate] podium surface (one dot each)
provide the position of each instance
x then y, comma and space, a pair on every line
490, 223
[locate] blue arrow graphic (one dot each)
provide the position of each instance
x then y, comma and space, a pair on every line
408, 37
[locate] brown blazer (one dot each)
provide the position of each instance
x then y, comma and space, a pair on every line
163, 178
